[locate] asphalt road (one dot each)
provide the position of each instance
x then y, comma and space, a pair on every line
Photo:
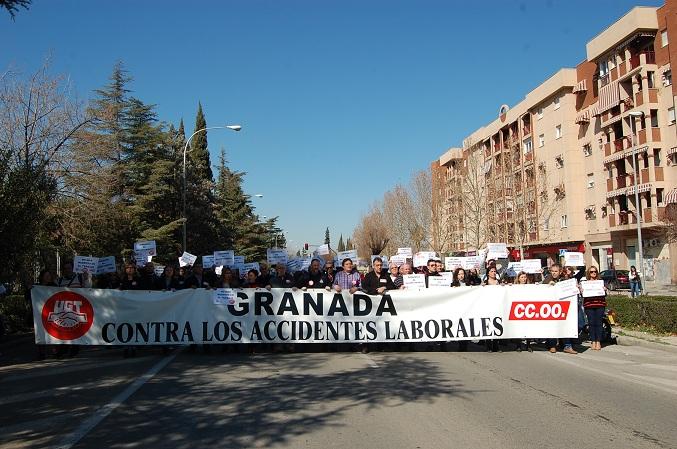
621, 397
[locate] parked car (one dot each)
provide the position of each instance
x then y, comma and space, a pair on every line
615, 279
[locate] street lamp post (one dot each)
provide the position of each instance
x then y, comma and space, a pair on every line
638, 206
185, 150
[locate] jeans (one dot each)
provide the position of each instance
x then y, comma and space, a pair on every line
634, 288
595, 316
552, 343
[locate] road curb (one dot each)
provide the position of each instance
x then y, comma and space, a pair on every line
627, 340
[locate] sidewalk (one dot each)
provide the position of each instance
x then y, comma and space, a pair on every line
626, 337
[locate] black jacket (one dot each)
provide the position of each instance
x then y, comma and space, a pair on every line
372, 282
312, 280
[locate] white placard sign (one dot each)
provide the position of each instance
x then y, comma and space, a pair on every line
208, 261
398, 259
472, 262
438, 281
238, 260
574, 259
532, 266
187, 259
224, 296
514, 268
250, 266
451, 263
322, 250
224, 258
414, 280
407, 252
567, 288
276, 255
106, 265
497, 251
83, 264
593, 288
147, 246
350, 254
159, 269
421, 258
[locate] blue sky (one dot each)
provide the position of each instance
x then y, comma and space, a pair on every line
339, 100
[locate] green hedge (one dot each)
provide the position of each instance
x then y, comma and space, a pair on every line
17, 314
654, 312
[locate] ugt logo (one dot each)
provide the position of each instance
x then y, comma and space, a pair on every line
67, 315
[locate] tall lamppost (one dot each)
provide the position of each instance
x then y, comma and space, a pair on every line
638, 207
185, 150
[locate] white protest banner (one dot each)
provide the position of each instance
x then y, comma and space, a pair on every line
398, 259
350, 254
147, 246
187, 259
497, 251
106, 265
117, 317
224, 258
567, 288
224, 296
414, 280
208, 261
83, 264
592, 288
574, 259
323, 250
276, 255
452, 263
532, 266
438, 281
159, 269
407, 252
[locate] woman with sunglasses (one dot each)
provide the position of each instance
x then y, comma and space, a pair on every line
594, 309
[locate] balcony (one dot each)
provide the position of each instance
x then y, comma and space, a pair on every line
641, 136
622, 69
610, 183
656, 134
644, 175
526, 130
604, 80
658, 174
607, 149
639, 98
620, 182
653, 95
634, 61
621, 144
646, 215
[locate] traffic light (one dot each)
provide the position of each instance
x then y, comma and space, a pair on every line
305, 246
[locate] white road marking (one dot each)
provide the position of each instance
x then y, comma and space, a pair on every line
107, 409
369, 360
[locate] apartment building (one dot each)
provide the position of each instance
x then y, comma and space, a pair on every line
559, 167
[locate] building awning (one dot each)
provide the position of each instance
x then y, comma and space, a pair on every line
632, 38
640, 188
614, 157
671, 197
580, 87
617, 192
608, 97
594, 110
672, 151
583, 117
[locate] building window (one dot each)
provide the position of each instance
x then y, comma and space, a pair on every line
612, 62
557, 102
591, 180
558, 131
656, 157
654, 118
559, 161
671, 115
659, 197
587, 150
667, 78
645, 158
664, 38
563, 221
650, 79
539, 113
546, 224
610, 171
603, 68
528, 146
541, 138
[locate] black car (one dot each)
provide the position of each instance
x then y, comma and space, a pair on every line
615, 279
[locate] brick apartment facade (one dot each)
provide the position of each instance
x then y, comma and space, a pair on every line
558, 168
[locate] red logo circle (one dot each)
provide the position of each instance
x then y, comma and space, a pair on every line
67, 315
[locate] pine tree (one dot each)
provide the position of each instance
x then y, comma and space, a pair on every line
341, 245
326, 237
349, 244
199, 150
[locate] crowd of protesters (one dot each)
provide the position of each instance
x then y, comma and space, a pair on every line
322, 274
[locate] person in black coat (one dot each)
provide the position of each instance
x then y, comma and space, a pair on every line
313, 278
167, 281
376, 282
